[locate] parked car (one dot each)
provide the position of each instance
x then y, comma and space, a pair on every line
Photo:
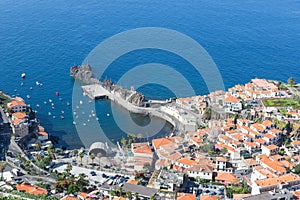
93, 173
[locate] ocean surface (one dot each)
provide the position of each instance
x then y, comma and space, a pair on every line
246, 39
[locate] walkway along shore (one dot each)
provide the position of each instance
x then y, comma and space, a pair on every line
97, 91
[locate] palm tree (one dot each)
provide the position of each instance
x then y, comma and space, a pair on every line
140, 136
128, 195
124, 142
136, 195
75, 152
81, 155
2, 167
92, 156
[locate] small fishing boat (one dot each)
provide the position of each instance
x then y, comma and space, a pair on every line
97, 118
57, 93
50, 100
107, 114
37, 83
62, 111
49, 113
22, 84
38, 105
45, 102
30, 88
74, 122
28, 97
68, 103
23, 75
62, 117
81, 102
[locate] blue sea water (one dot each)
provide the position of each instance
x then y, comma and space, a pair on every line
246, 39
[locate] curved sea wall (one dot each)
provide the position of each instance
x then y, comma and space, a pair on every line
130, 100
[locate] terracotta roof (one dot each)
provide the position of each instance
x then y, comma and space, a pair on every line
42, 133
230, 98
19, 115
186, 196
157, 143
251, 144
267, 123
31, 189
135, 182
286, 178
186, 161
296, 143
269, 136
271, 147
251, 162
260, 141
208, 197
275, 131
16, 103
201, 168
227, 177
142, 147
17, 121
221, 159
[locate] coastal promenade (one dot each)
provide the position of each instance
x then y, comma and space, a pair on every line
97, 91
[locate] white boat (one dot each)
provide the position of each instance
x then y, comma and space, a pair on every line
28, 97
107, 114
81, 102
49, 113
23, 75
37, 83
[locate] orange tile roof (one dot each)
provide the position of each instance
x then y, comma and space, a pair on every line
157, 143
267, 123
221, 159
251, 162
175, 156
43, 133
295, 143
230, 98
251, 144
18, 99
17, 121
208, 197
275, 131
271, 147
68, 197
227, 177
31, 189
16, 103
258, 127
142, 147
82, 194
19, 115
286, 178
269, 136
186, 161
260, 141
135, 182
186, 196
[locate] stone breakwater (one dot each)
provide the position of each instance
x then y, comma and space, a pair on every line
129, 99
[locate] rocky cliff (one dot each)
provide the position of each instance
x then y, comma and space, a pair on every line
84, 73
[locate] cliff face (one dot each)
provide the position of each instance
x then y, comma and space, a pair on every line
84, 73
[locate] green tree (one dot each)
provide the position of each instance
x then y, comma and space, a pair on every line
81, 155
297, 169
72, 189
92, 156
75, 152
38, 146
224, 150
124, 142
291, 81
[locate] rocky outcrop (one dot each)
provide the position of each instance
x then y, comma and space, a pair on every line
84, 73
